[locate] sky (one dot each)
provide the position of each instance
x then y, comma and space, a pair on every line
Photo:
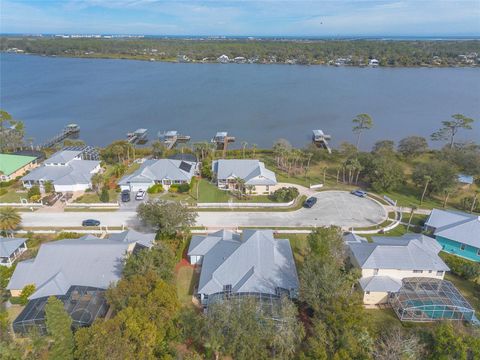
242, 18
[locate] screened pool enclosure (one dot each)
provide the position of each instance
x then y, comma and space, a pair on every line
84, 304
428, 299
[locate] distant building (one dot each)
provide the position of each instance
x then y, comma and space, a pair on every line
252, 172
388, 260
240, 60
163, 171
13, 166
465, 180
223, 59
67, 171
457, 232
251, 264
373, 62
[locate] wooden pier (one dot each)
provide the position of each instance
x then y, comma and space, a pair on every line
171, 138
71, 130
221, 139
139, 136
320, 139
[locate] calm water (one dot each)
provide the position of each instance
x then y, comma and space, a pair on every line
255, 103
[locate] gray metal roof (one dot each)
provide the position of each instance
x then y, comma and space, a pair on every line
157, 170
252, 171
439, 218
132, 236
457, 226
409, 252
354, 238
9, 245
380, 284
75, 172
63, 156
254, 262
87, 261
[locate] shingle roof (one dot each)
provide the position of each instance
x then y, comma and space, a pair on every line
9, 245
252, 171
380, 284
457, 226
76, 172
10, 163
410, 252
254, 262
87, 261
157, 170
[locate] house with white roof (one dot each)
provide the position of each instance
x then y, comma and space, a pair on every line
11, 249
67, 171
251, 263
77, 271
457, 232
163, 171
226, 173
386, 261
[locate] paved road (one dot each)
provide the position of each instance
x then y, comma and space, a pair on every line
332, 208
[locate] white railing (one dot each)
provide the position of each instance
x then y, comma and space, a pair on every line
316, 186
25, 205
244, 205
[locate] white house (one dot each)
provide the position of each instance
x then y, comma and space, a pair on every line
223, 59
163, 171
67, 171
251, 263
11, 249
252, 172
388, 260
373, 62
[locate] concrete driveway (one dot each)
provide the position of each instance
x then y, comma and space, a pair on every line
332, 208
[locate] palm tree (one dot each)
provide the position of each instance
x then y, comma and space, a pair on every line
254, 148
361, 122
244, 145
10, 219
412, 211
474, 202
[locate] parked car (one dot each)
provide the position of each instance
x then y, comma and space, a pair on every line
310, 202
359, 193
90, 222
140, 195
125, 196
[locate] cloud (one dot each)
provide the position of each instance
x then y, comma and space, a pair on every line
242, 17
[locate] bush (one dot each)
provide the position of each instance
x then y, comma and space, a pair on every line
285, 194
25, 294
104, 196
180, 188
34, 191
155, 189
466, 269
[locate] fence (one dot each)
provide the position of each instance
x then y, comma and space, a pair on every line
244, 205
24, 205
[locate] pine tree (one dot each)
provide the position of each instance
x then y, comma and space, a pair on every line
59, 327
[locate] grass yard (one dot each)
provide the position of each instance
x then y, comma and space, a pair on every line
12, 197
186, 279
468, 289
93, 197
298, 242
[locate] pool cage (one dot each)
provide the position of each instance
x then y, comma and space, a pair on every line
84, 304
427, 299
269, 305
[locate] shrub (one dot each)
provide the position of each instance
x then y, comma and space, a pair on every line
183, 188
104, 196
466, 269
155, 189
34, 191
285, 194
25, 294
173, 188
35, 198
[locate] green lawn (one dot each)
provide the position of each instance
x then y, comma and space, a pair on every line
93, 197
12, 197
298, 242
468, 289
186, 279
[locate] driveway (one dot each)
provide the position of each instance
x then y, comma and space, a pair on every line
332, 208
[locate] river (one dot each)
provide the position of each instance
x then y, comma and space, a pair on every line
255, 103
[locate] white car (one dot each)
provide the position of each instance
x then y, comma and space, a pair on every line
140, 195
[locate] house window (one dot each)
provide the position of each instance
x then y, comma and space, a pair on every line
429, 271
375, 271
418, 271
439, 273
462, 247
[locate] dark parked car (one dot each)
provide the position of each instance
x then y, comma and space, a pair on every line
90, 222
125, 196
310, 202
359, 193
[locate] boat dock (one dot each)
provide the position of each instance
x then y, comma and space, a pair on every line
138, 136
320, 139
171, 138
71, 130
221, 139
